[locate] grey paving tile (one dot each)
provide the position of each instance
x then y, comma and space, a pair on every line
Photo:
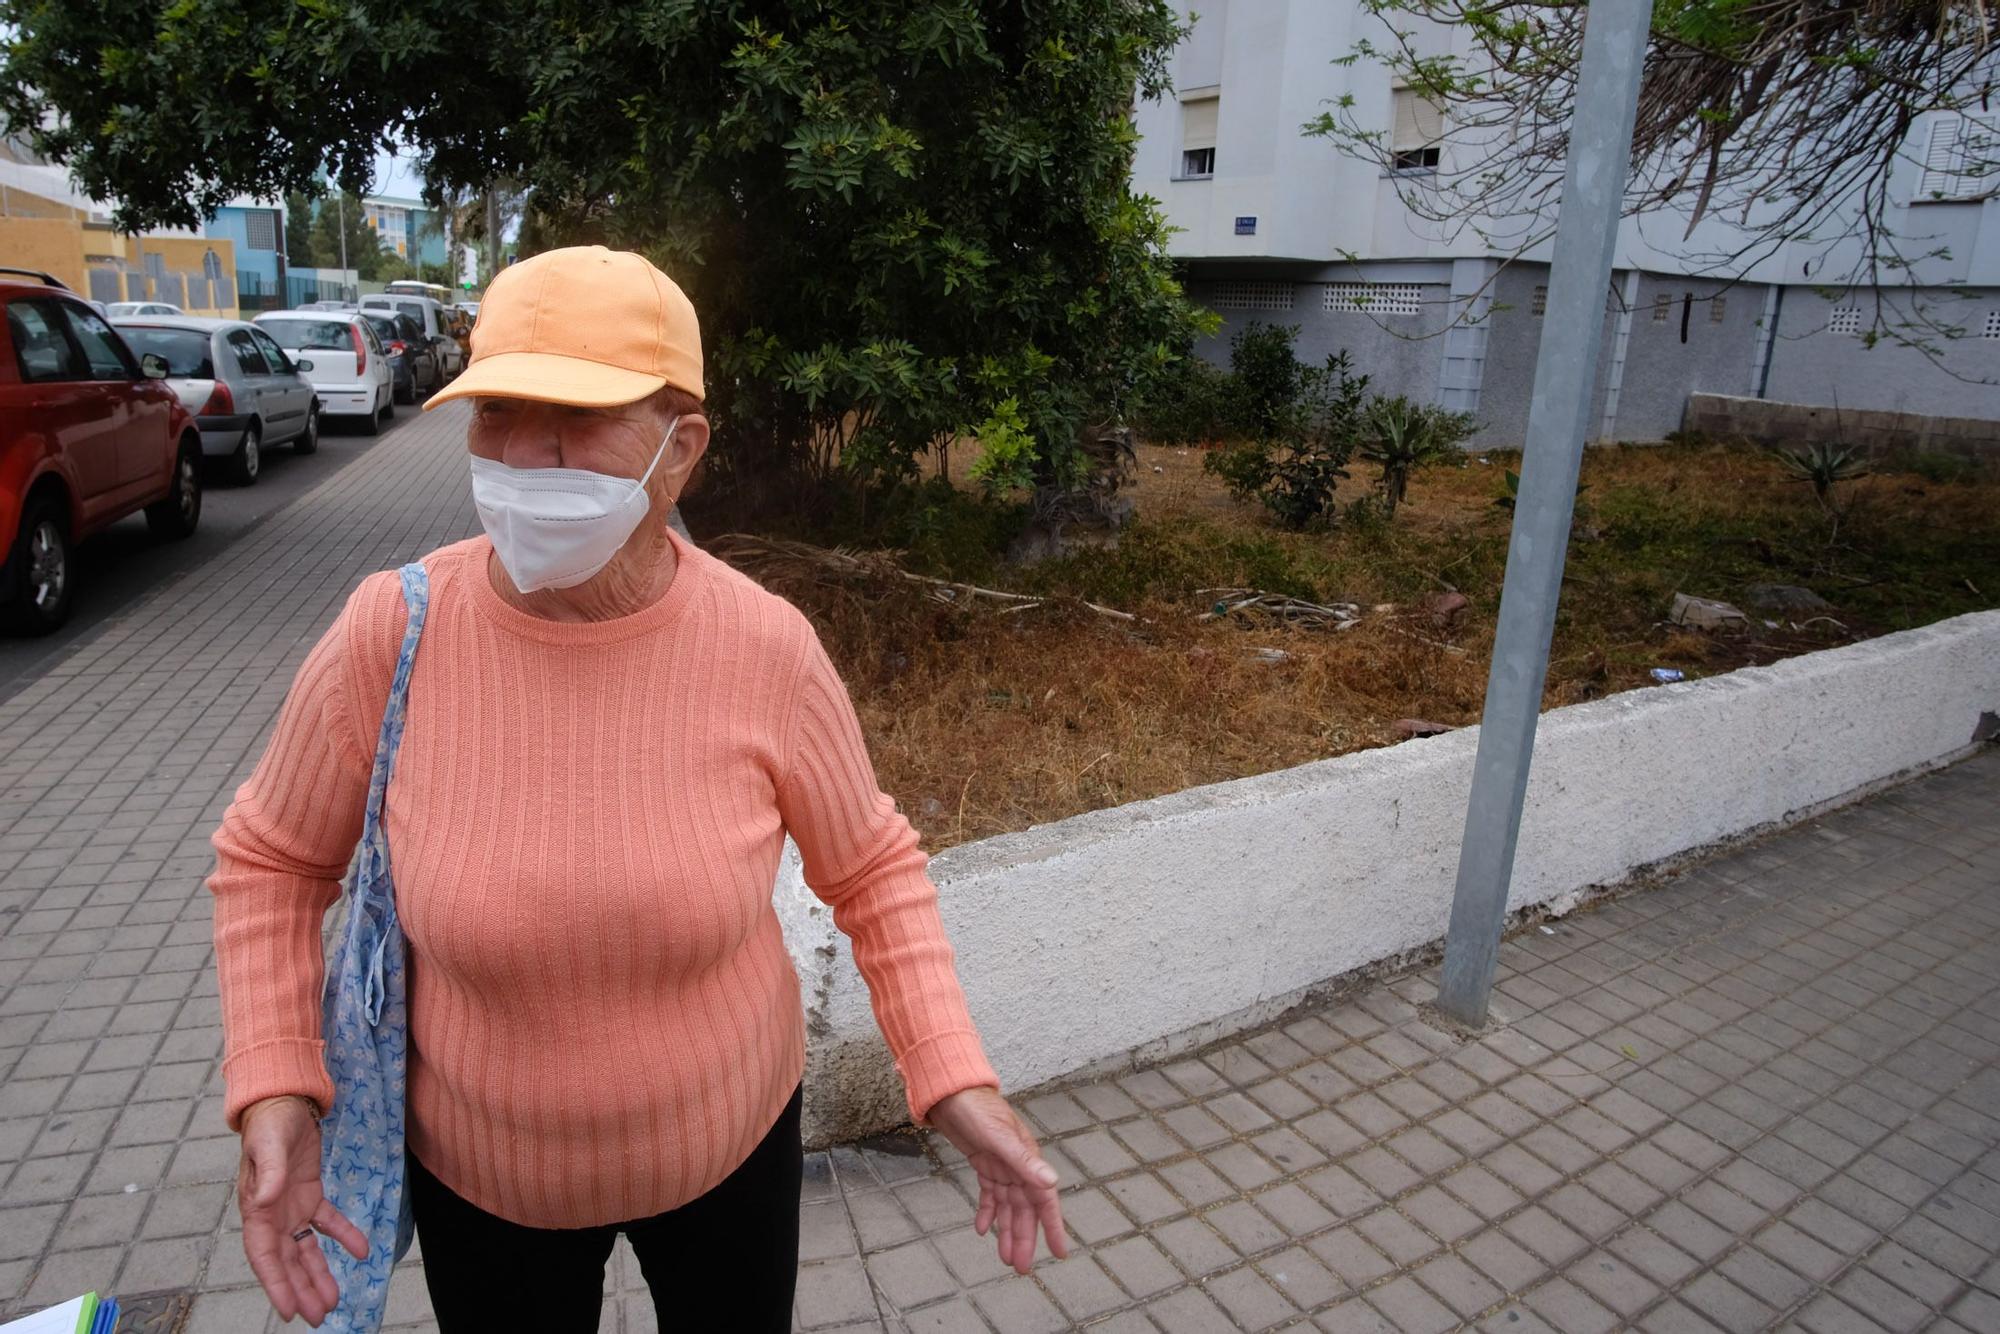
1251, 1302
1405, 1304
1189, 1311
1139, 1266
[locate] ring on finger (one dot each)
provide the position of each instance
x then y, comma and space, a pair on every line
303, 1233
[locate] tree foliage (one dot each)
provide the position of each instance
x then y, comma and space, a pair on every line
365, 252
892, 217
299, 230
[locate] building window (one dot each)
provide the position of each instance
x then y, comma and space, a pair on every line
1960, 158
1663, 306
1715, 310
1375, 298
1198, 122
1992, 329
260, 229
1419, 128
1539, 305
1844, 320
1251, 295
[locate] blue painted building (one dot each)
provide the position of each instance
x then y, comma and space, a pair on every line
258, 230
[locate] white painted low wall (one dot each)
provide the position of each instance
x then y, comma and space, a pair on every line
1166, 922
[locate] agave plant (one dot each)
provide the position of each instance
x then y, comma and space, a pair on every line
1405, 436
1823, 465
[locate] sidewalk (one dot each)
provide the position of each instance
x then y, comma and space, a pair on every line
1762, 1095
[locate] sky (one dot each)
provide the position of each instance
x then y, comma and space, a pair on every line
397, 174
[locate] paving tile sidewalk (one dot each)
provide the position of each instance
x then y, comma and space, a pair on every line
1765, 1094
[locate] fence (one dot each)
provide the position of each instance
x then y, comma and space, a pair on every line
303, 285
256, 292
188, 290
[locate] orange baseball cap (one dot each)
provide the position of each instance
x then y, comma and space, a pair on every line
582, 325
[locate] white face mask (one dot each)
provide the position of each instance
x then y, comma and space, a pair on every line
556, 527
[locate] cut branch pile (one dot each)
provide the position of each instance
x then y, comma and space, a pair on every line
1247, 605
769, 557
764, 556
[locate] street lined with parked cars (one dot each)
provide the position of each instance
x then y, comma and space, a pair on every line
433, 319
90, 433
113, 409
246, 394
346, 362
413, 362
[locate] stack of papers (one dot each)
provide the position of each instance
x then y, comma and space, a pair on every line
87, 1314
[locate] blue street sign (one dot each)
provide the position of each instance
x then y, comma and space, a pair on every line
1246, 226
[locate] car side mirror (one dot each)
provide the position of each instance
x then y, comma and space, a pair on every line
153, 366
302, 365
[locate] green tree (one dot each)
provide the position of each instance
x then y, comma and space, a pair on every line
893, 217
298, 230
364, 248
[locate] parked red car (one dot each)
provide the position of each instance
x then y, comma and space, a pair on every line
88, 435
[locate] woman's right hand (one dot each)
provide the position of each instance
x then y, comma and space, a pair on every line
278, 1191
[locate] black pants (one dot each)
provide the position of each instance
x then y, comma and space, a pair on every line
725, 1261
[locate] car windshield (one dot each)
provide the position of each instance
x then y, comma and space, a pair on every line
299, 335
414, 309
184, 350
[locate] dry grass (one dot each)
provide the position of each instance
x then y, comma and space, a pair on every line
983, 722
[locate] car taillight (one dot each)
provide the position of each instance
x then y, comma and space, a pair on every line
397, 349
221, 403
360, 351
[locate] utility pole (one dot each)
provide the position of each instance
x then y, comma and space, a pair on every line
1600, 151
492, 231
340, 202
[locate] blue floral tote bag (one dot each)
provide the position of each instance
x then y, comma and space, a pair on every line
367, 1028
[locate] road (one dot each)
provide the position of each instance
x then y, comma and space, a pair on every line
121, 565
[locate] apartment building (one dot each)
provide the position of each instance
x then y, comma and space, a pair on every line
1280, 227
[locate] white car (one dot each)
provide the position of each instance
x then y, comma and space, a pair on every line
125, 309
350, 369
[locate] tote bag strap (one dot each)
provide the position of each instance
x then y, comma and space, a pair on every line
417, 596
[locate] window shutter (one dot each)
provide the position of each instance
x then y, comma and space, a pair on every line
1979, 143
1198, 118
1940, 157
1419, 122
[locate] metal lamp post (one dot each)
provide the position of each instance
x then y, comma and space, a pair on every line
1600, 147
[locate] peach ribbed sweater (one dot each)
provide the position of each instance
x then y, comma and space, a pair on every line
584, 826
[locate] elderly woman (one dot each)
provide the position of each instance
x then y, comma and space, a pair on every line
609, 735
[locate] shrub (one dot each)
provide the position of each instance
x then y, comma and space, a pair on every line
1190, 404
1268, 380
1295, 469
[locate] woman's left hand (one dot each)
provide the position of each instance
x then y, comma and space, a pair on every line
1017, 1186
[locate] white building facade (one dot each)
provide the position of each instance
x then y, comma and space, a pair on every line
1283, 228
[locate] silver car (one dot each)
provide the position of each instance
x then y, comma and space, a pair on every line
245, 392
